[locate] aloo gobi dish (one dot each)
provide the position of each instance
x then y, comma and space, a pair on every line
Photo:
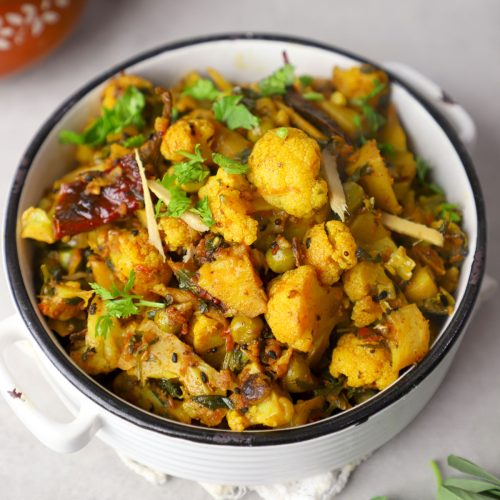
246, 255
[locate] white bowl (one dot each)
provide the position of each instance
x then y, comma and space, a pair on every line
252, 457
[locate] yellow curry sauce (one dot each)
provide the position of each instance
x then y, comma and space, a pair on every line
246, 255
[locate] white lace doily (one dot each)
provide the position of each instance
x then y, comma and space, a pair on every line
320, 487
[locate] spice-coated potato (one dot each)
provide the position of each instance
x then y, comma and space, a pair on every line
232, 279
301, 311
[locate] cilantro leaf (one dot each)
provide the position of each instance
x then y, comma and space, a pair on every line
449, 211
377, 89
282, 133
313, 96
386, 148
423, 169
373, 119
102, 292
196, 156
228, 110
129, 284
135, 141
127, 111
121, 308
277, 82
103, 325
423, 172
119, 304
229, 165
190, 172
202, 89
202, 208
193, 170
305, 80
179, 200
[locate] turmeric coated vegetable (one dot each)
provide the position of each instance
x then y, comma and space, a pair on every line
286, 172
331, 249
246, 255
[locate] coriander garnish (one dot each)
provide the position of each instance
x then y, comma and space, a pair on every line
202, 89
277, 82
192, 170
228, 110
202, 208
373, 119
229, 165
127, 111
119, 304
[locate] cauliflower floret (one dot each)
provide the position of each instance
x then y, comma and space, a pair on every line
301, 312
66, 300
232, 279
184, 134
230, 200
275, 410
285, 172
400, 264
367, 278
331, 249
364, 365
366, 311
36, 224
303, 410
131, 251
177, 234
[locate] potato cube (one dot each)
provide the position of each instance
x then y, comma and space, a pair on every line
232, 279
408, 336
302, 312
379, 182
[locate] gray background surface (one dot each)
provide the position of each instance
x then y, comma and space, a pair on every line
454, 42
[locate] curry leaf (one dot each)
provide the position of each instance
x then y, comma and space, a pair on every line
213, 402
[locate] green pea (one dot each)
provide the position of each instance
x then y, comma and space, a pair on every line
244, 329
298, 378
280, 259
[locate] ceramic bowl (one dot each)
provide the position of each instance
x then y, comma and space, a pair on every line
252, 457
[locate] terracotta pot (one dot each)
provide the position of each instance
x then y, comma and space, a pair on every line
30, 30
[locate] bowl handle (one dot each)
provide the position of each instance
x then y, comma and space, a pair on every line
458, 117
60, 437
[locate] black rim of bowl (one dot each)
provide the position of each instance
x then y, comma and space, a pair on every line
127, 411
